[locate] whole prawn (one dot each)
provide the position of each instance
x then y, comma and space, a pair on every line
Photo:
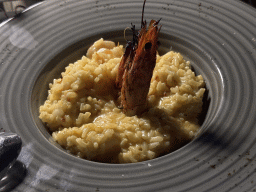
137, 66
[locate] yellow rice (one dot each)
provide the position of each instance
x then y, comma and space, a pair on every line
82, 110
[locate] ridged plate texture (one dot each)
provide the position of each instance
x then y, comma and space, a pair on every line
218, 37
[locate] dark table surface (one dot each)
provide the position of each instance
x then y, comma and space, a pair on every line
250, 2
8, 8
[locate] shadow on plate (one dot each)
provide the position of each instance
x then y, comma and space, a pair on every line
205, 107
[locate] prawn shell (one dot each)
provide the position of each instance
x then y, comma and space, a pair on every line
136, 79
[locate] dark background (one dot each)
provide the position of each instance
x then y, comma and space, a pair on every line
251, 2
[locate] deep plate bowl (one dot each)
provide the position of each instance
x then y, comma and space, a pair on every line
218, 37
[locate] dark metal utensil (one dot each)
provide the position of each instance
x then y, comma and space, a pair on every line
10, 147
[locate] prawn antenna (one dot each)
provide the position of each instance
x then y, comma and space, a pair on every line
142, 21
156, 23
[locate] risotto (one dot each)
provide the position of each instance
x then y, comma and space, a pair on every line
82, 108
